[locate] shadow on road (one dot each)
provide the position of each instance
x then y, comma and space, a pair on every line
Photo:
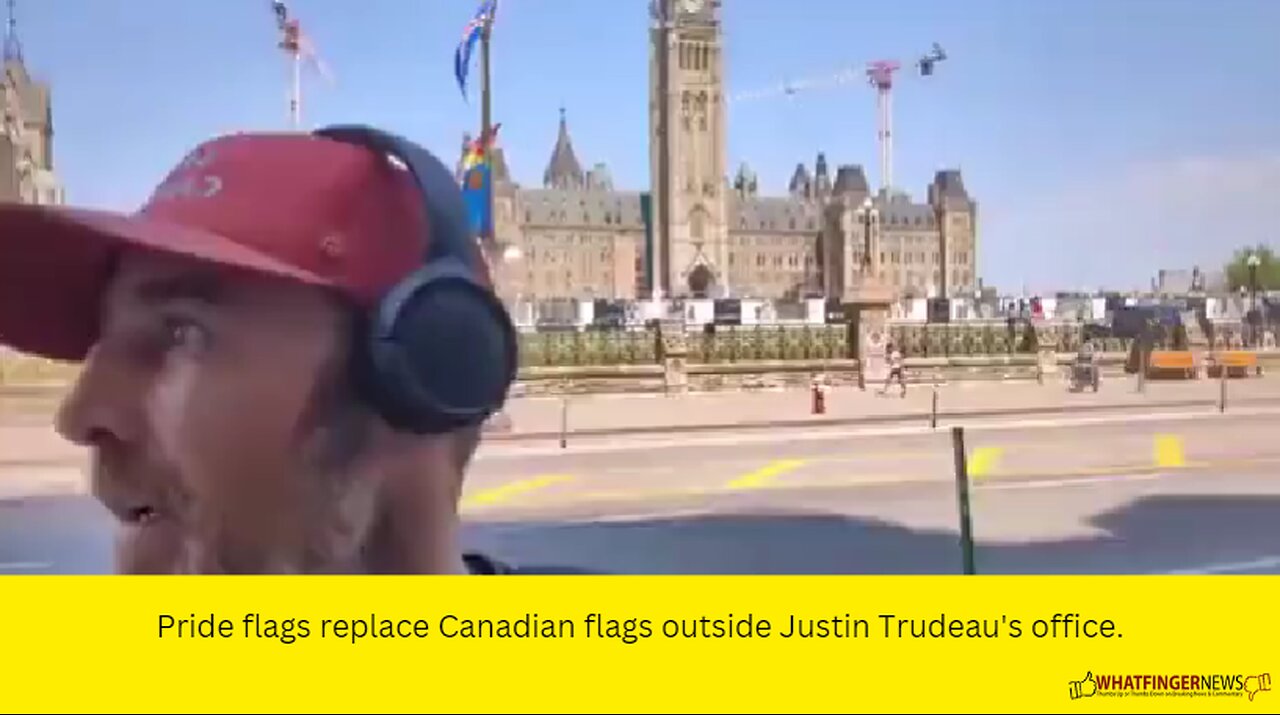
1149, 535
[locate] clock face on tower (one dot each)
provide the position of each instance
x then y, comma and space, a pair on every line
692, 7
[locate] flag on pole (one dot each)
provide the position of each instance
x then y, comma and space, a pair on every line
479, 148
471, 34
476, 189
477, 182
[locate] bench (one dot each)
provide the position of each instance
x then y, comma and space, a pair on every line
1170, 363
1238, 363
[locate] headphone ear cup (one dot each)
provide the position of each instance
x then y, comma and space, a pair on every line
441, 353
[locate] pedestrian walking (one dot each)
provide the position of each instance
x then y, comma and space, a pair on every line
896, 369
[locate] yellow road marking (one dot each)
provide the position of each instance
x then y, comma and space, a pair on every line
513, 489
1137, 444
568, 499
1169, 451
983, 461
761, 477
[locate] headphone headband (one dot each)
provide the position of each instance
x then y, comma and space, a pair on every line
447, 224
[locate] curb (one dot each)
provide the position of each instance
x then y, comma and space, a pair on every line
865, 420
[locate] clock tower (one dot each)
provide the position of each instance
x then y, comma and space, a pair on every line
687, 149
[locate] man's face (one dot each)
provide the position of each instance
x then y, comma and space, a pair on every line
209, 407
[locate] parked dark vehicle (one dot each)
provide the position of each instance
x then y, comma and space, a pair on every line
1096, 331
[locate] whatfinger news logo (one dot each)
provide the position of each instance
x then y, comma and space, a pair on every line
1165, 686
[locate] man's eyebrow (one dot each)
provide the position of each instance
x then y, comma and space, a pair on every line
191, 288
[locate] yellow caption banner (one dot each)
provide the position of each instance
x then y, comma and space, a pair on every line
639, 644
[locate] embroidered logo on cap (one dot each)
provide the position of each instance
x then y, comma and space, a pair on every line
191, 178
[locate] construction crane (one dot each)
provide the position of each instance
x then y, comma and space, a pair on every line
298, 46
880, 75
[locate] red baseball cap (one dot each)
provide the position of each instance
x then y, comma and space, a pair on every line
292, 205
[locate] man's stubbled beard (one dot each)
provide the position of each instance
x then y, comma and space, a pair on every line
339, 493
345, 492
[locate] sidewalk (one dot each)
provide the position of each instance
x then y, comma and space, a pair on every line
27, 436
541, 417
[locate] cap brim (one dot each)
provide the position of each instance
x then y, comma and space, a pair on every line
55, 262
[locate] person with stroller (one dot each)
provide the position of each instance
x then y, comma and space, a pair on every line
1084, 370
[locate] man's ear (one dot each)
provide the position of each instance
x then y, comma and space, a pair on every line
466, 441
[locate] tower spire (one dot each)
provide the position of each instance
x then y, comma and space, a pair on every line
12, 46
563, 170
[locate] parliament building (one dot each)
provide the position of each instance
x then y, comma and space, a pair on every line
26, 139
579, 236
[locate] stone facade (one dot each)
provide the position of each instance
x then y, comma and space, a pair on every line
580, 237
26, 139
900, 241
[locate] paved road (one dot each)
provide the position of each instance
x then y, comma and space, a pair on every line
1098, 494
602, 416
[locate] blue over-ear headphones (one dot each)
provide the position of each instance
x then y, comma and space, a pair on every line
440, 350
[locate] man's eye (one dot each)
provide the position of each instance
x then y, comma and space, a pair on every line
184, 334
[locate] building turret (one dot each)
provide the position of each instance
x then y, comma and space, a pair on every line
563, 170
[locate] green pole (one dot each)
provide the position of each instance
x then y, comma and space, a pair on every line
486, 123
962, 494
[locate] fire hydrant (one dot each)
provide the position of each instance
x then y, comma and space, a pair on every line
819, 398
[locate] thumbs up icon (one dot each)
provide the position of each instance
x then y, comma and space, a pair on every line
1083, 688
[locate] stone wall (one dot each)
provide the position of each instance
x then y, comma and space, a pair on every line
23, 375
747, 343
739, 357
780, 374
19, 369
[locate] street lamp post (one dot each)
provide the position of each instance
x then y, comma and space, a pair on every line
868, 269
1253, 263
941, 216
867, 214
511, 257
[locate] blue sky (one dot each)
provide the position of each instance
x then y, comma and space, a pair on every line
1104, 139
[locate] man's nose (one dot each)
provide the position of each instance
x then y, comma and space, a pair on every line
102, 405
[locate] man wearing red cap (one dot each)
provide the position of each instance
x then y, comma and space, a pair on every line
220, 328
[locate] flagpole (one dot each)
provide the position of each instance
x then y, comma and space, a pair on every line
661, 258
486, 121
295, 92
